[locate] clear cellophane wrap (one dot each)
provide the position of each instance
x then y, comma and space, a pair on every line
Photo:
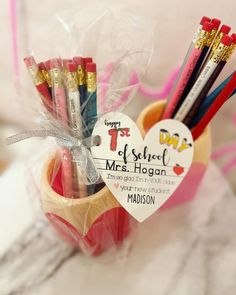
73, 195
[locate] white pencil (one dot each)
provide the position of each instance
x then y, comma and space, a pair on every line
203, 20
73, 100
203, 78
75, 117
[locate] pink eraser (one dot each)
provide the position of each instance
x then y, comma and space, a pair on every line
42, 66
87, 60
216, 22
204, 19
225, 29
71, 67
65, 61
208, 27
91, 67
226, 40
29, 61
47, 64
233, 36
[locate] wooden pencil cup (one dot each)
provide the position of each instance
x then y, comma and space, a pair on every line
202, 152
92, 224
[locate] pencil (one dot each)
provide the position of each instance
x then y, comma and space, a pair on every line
46, 75
82, 87
203, 79
197, 68
207, 49
188, 69
203, 20
87, 60
75, 120
208, 100
91, 101
73, 96
59, 94
218, 102
39, 82
224, 30
189, 118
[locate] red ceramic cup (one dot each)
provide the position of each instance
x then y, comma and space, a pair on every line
92, 224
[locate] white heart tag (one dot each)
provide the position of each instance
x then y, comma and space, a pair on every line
142, 173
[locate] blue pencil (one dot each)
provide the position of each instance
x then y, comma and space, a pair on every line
209, 100
90, 112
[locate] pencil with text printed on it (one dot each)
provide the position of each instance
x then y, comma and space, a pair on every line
39, 82
75, 116
59, 94
188, 69
197, 69
224, 30
203, 20
194, 110
209, 100
194, 98
91, 101
222, 97
82, 86
75, 120
216, 23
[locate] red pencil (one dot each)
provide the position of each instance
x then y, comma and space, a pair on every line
39, 82
45, 73
193, 58
61, 109
219, 101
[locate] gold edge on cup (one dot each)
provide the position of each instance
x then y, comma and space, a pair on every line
200, 155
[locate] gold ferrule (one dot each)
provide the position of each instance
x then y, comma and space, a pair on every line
56, 77
202, 39
229, 52
219, 53
71, 81
80, 75
91, 81
211, 38
216, 43
47, 77
36, 75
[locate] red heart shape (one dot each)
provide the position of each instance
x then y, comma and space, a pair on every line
178, 170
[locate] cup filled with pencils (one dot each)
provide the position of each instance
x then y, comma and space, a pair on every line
194, 99
73, 195
74, 93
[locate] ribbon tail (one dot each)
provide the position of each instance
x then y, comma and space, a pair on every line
36, 133
84, 159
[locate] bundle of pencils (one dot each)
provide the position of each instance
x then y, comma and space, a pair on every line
210, 50
68, 90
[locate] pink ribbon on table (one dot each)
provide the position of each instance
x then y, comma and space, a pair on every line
134, 81
157, 94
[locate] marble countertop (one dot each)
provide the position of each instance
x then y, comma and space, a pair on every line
190, 249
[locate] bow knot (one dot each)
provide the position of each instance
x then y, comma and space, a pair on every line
80, 149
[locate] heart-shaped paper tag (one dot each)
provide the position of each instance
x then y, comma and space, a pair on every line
142, 174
